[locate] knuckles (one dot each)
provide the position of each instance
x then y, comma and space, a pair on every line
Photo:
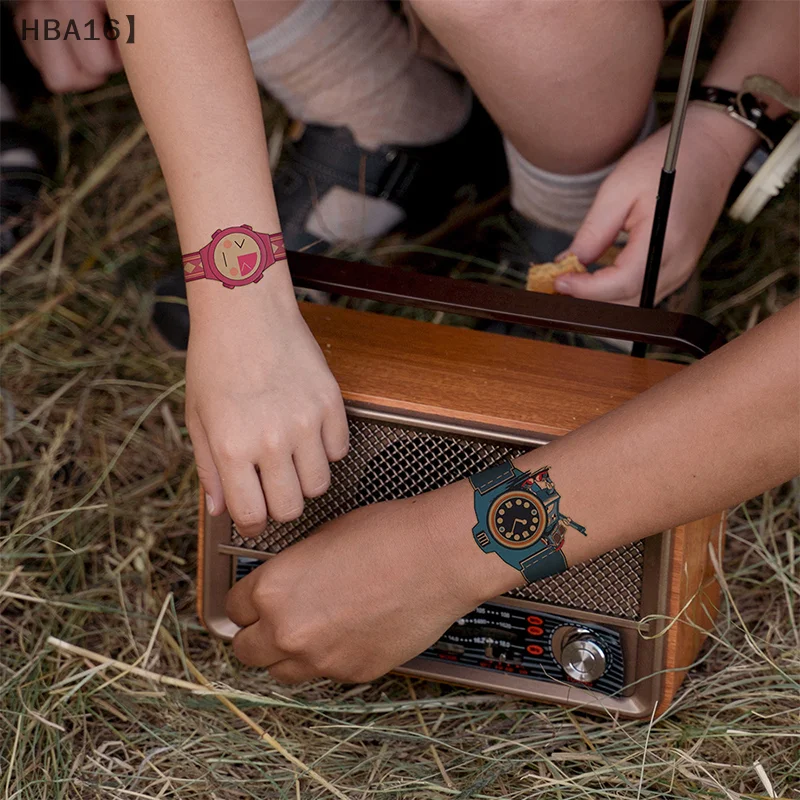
287, 513
340, 452
306, 423
250, 523
319, 487
294, 640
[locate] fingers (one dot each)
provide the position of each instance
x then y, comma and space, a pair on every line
620, 283
311, 464
267, 476
600, 228
255, 646
273, 489
292, 671
247, 605
335, 431
240, 604
59, 71
244, 496
102, 58
281, 487
207, 472
610, 285
68, 63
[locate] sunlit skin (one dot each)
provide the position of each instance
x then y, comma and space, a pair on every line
204, 118
379, 585
325, 605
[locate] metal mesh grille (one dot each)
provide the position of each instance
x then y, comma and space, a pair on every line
389, 462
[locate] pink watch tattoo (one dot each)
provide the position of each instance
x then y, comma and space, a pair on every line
235, 256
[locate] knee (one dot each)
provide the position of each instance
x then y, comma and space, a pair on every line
461, 15
548, 17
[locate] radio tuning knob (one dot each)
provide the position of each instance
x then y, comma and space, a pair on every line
583, 657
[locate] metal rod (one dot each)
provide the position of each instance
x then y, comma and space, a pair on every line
664, 198
685, 84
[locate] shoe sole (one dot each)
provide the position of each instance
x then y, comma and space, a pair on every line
770, 179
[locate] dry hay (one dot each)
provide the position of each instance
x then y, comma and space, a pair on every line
98, 549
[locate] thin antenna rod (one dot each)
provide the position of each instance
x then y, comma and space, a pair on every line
667, 181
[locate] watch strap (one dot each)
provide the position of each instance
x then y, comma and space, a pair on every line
743, 107
277, 245
492, 477
543, 564
193, 268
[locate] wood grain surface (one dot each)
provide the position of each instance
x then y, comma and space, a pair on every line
457, 373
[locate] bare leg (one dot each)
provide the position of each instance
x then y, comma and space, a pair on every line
568, 81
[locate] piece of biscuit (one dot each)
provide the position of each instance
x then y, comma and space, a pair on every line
542, 276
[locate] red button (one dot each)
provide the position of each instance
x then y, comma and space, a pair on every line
532, 620
534, 649
535, 630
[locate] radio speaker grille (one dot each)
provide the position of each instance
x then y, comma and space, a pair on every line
389, 462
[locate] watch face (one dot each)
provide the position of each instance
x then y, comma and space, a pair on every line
237, 256
517, 519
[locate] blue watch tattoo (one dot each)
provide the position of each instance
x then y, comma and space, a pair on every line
519, 519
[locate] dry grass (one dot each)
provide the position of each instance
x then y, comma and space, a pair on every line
98, 549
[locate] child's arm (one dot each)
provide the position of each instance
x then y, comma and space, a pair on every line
383, 583
264, 412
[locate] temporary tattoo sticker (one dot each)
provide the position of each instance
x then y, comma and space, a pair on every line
235, 256
518, 517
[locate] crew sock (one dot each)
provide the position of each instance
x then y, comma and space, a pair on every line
555, 201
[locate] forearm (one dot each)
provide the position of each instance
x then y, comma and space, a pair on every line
712, 436
192, 79
761, 40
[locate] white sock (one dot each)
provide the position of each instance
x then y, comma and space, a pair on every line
339, 62
559, 201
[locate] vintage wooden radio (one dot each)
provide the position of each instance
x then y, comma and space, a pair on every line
431, 404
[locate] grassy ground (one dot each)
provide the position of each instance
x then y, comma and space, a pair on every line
97, 548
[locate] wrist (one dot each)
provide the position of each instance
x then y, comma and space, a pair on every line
732, 140
236, 256
268, 302
447, 517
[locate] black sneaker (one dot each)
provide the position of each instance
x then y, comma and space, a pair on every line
27, 160
425, 183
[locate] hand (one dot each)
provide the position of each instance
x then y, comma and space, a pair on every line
264, 413
368, 591
69, 65
707, 165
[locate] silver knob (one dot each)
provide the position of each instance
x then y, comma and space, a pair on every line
583, 657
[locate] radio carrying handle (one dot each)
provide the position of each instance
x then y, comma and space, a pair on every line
397, 285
